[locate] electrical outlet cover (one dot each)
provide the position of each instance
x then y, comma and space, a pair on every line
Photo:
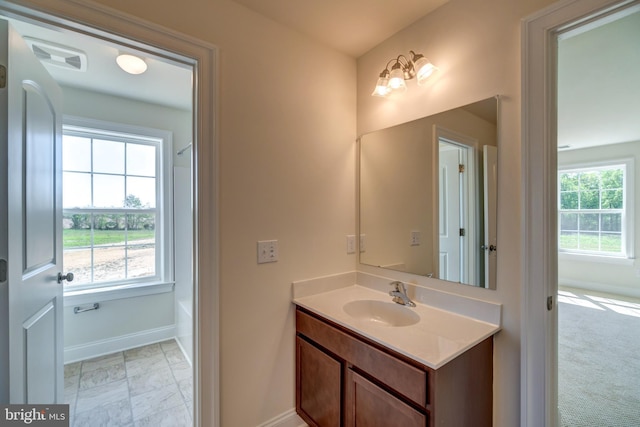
351, 244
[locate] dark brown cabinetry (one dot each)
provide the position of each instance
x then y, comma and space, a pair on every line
344, 379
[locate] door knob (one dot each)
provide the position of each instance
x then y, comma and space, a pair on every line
68, 277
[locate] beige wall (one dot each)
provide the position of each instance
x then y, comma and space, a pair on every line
395, 171
287, 171
476, 45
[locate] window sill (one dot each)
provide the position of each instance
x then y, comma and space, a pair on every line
595, 258
108, 293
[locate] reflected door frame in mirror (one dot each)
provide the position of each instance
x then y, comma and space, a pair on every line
399, 194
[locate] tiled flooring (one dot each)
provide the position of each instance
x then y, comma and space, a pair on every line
144, 386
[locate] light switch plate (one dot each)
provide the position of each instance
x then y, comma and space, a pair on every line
267, 251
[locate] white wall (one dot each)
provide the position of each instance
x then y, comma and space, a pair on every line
476, 45
145, 317
595, 272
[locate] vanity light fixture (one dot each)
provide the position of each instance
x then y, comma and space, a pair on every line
402, 69
131, 64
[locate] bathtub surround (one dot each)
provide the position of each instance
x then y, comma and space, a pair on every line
183, 256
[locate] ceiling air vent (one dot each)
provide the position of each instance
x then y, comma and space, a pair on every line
58, 55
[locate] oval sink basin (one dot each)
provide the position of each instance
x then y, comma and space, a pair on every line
380, 312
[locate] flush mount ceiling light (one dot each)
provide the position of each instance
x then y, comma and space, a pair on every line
131, 64
403, 69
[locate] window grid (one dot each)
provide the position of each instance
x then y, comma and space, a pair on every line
592, 210
103, 219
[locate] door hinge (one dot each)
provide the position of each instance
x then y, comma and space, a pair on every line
461, 168
462, 232
3, 76
550, 303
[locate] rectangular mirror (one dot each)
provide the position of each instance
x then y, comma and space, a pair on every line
427, 195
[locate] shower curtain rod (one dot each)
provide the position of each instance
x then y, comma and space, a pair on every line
180, 152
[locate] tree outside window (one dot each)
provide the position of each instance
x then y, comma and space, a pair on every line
591, 210
110, 207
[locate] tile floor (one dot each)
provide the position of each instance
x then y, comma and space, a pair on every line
145, 386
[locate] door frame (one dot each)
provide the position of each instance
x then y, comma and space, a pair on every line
539, 339
110, 24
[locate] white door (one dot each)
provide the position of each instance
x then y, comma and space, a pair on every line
490, 175
31, 115
449, 216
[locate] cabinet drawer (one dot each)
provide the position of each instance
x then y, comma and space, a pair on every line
405, 379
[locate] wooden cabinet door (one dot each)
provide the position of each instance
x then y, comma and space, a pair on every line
319, 386
367, 405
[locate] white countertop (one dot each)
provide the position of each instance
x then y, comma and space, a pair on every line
437, 338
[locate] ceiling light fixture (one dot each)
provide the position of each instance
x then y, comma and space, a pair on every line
403, 69
131, 64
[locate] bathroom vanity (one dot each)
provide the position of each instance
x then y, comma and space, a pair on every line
364, 360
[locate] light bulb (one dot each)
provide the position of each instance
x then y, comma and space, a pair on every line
396, 80
382, 86
424, 69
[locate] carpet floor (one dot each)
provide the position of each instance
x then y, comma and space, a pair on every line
598, 359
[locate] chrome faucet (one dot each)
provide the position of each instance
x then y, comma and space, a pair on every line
399, 294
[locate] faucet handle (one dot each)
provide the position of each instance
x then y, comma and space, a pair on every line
398, 286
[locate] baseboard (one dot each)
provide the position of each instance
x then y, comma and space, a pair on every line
599, 287
185, 352
111, 345
286, 419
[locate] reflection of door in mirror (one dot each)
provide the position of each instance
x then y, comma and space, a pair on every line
490, 180
452, 191
458, 216
401, 211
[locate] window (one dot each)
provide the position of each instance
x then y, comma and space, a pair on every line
593, 210
114, 207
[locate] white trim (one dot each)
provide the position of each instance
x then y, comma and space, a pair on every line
100, 20
108, 293
539, 203
162, 140
587, 257
287, 419
600, 287
111, 345
628, 211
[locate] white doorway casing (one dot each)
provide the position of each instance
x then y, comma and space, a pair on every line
539, 390
106, 23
